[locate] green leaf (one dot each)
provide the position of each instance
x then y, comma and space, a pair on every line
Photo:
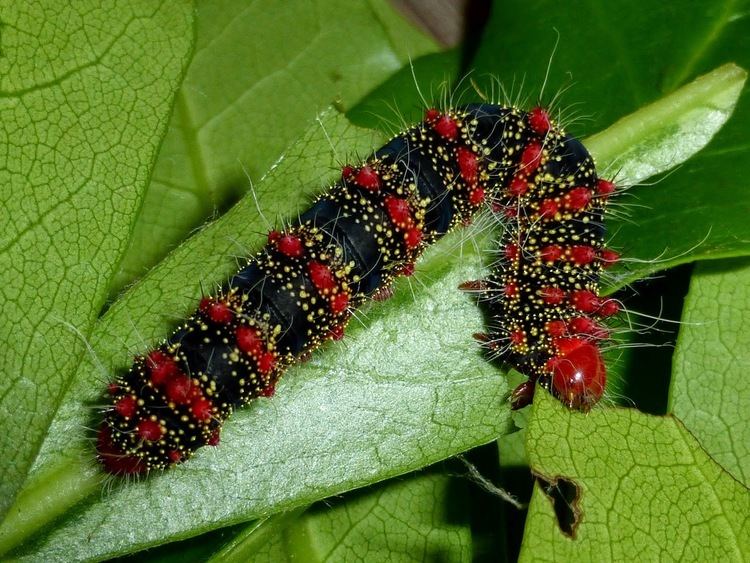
248, 95
710, 391
423, 517
286, 452
646, 490
363, 374
85, 97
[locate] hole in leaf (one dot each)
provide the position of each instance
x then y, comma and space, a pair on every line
564, 494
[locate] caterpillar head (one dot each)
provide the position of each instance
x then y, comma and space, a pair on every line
114, 460
578, 373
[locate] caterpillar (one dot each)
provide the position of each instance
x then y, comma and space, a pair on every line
543, 293
301, 288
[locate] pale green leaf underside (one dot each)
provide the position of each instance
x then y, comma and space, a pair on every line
670, 130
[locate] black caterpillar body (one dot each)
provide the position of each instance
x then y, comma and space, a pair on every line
543, 294
300, 289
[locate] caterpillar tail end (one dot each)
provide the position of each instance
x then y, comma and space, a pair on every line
113, 459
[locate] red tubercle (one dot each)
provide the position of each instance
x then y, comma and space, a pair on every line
399, 212
175, 456
367, 178
431, 114
511, 290
605, 188
178, 389
413, 238
217, 311
539, 120
468, 164
201, 409
446, 127
509, 211
548, 208
580, 325
511, 251
566, 345
609, 257
149, 430
550, 253
161, 367
584, 300
476, 196
577, 199
609, 308
322, 277
290, 246
518, 186
556, 328
552, 295
126, 406
588, 327
531, 158
337, 332
114, 460
215, 438
517, 337
339, 303
268, 391
113, 388
156, 358
273, 237
347, 172
407, 269
249, 340
578, 373
266, 363
582, 254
